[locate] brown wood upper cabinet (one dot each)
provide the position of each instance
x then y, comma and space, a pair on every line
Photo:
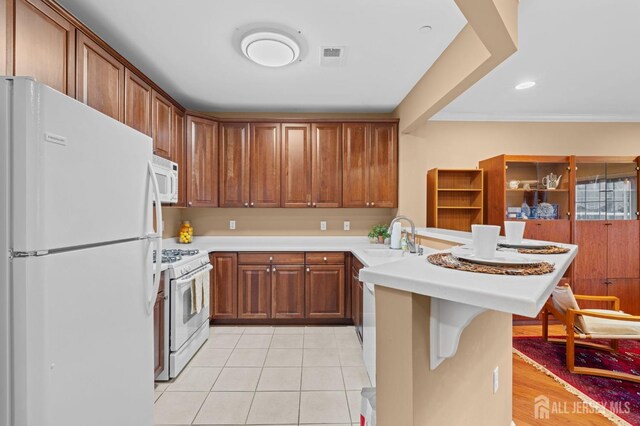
370, 165
161, 126
180, 153
326, 165
264, 160
312, 167
99, 78
43, 45
234, 164
202, 155
137, 99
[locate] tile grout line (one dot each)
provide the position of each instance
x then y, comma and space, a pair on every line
253, 398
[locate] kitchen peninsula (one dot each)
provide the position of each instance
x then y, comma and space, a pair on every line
444, 337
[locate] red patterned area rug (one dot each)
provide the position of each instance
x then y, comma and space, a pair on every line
618, 400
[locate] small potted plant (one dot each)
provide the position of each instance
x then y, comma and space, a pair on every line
379, 233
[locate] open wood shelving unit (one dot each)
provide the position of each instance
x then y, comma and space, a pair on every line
454, 198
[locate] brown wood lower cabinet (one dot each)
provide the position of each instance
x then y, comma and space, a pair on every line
158, 330
324, 288
254, 291
287, 292
224, 285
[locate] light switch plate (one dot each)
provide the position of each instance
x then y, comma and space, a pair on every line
347, 225
323, 225
232, 224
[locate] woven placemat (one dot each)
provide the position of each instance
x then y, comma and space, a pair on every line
447, 260
545, 250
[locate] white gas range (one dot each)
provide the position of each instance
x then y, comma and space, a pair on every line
185, 332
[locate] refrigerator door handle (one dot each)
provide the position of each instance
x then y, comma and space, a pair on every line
157, 236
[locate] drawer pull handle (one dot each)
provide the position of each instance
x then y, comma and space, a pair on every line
325, 258
308, 269
268, 270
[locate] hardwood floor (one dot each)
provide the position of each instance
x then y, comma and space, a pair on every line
528, 383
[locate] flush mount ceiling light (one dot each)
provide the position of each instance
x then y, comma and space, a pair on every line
270, 48
525, 85
425, 28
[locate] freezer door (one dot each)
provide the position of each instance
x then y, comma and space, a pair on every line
78, 177
83, 342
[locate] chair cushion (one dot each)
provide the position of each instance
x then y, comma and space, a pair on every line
602, 326
564, 299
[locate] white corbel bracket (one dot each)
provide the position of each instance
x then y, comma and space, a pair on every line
448, 320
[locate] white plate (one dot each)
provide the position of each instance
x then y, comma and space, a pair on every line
525, 245
501, 258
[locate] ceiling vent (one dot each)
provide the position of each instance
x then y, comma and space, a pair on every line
332, 55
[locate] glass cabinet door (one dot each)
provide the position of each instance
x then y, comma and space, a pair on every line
606, 191
537, 190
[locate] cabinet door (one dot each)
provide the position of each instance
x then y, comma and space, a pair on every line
558, 231
161, 117
355, 169
287, 292
590, 287
327, 165
324, 291
234, 165
591, 260
202, 154
99, 78
179, 153
265, 165
296, 165
224, 285
44, 45
383, 165
254, 291
137, 103
628, 291
158, 335
622, 249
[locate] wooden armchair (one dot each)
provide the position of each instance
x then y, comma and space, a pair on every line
590, 324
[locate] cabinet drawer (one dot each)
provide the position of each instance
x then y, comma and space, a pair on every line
271, 258
325, 258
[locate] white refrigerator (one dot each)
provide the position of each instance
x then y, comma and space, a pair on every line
77, 276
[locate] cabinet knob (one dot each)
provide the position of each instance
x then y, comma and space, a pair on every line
274, 269
308, 204
190, 203
270, 258
268, 269
373, 204
314, 204
308, 269
325, 259
367, 204
251, 204
246, 204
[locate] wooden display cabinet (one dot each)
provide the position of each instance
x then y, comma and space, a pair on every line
514, 190
454, 198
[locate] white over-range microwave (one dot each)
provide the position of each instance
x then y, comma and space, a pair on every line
167, 175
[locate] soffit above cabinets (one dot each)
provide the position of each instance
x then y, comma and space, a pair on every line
189, 48
583, 56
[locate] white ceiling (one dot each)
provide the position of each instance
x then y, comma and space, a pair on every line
188, 48
584, 56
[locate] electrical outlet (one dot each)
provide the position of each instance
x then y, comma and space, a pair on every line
496, 380
232, 224
347, 225
323, 225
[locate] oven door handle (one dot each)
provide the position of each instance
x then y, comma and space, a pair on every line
157, 237
188, 278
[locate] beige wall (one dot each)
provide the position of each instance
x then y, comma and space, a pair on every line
212, 222
452, 144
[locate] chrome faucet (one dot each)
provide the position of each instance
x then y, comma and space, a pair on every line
410, 243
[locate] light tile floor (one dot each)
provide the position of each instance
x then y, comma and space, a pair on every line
268, 376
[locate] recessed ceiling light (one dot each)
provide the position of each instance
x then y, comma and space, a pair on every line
270, 48
525, 85
425, 28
